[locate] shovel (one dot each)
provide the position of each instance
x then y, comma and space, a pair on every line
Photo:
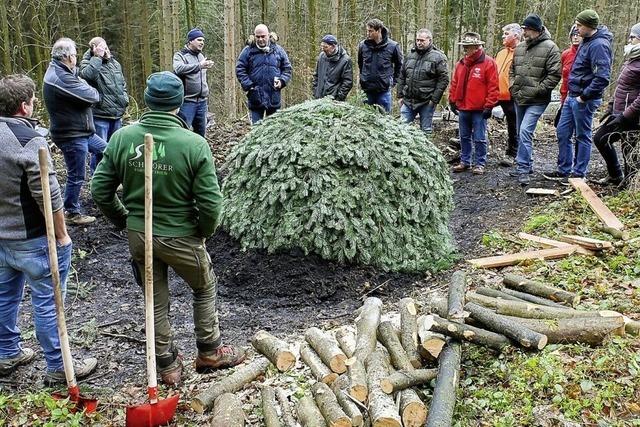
81, 403
158, 411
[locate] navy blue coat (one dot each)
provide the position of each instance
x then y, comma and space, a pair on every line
379, 64
591, 70
256, 71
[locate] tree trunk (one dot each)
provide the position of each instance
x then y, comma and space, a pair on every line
382, 409
468, 333
274, 349
227, 411
282, 22
269, 407
308, 413
388, 336
335, 16
444, 394
147, 59
327, 348
491, 26
409, 330
347, 340
401, 380
366, 328
7, 65
318, 368
230, 384
285, 405
412, 409
587, 330
328, 404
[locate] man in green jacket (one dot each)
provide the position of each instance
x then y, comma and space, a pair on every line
187, 206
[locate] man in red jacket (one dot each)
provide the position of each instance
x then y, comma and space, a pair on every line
472, 95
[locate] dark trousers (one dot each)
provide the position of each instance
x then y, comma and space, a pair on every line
604, 138
509, 109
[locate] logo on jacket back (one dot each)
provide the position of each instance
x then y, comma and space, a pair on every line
137, 161
475, 74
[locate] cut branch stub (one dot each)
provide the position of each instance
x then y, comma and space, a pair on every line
274, 349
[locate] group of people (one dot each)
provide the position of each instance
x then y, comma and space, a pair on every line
86, 106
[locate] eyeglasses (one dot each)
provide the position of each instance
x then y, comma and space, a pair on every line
631, 36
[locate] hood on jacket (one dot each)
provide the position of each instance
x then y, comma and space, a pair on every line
545, 35
251, 40
340, 52
383, 42
603, 32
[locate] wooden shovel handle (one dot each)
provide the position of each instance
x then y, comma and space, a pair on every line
67, 360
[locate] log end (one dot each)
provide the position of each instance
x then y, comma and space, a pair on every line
416, 363
386, 386
329, 378
197, 405
337, 364
359, 392
286, 360
542, 343
386, 422
414, 415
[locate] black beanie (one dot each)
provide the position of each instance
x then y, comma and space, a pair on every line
533, 22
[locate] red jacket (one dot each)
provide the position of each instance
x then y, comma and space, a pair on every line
567, 57
474, 86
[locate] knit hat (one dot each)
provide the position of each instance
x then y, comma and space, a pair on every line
533, 22
330, 39
635, 30
471, 39
164, 91
589, 18
573, 31
194, 34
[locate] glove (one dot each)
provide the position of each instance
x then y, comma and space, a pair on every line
486, 113
454, 109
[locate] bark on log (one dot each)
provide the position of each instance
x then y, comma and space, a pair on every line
388, 336
347, 405
347, 340
497, 323
468, 333
444, 395
357, 379
367, 327
437, 304
269, 407
320, 371
431, 343
532, 298
308, 413
327, 348
412, 410
455, 296
523, 284
328, 404
382, 409
274, 349
587, 330
287, 416
632, 327
227, 411
409, 330
401, 380
230, 384
495, 293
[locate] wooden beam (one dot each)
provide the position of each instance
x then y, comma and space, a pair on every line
511, 259
587, 242
600, 209
550, 243
542, 192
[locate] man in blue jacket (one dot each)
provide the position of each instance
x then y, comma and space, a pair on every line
379, 61
588, 78
263, 69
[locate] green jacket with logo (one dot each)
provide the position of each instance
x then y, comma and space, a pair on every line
187, 200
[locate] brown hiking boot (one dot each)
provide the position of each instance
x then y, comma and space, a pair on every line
223, 357
172, 374
478, 170
461, 167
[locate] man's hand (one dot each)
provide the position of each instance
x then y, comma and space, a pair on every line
400, 102
99, 50
64, 240
206, 64
580, 100
277, 83
453, 108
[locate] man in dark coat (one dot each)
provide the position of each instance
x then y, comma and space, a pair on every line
379, 61
334, 71
423, 79
263, 69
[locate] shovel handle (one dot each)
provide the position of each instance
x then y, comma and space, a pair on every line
152, 381
67, 360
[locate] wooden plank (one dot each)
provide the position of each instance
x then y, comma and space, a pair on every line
587, 242
550, 243
600, 209
511, 259
542, 192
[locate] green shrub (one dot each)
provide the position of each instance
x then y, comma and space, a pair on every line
344, 182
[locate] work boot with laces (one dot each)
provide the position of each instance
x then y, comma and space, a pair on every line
82, 369
10, 364
223, 357
172, 374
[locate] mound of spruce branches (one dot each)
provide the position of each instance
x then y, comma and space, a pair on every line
344, 182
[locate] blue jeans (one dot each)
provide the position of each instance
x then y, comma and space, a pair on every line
575, 117
28, 260
195, 115
426, 111
382, 99
526, 120
104, 129
75, 157
257, 115
473, 134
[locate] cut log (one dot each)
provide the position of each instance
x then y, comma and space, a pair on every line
468, 333
382, 409
400, 380
444, 394
596, 205
455, 295
328, 404
367, 327
230, 384
550, 243
269, 407
632, 327
542, 192
346, 338
227, 411
388, 336
274, 349
431, 343
523, 284
615, 233
319, 370
587, 330
409, 330
495, 293
587, 242
523, 296
484, 300
327, 348
513, 259
357, 379
412, 410
437, 304
287, 416
308, 413
497, 323
347, 405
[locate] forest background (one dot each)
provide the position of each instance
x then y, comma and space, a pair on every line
144, 34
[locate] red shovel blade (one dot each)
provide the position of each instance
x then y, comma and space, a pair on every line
152, 414
80, 402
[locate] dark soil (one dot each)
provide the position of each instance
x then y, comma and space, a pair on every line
283, 293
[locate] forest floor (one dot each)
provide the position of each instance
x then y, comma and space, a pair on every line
284, 293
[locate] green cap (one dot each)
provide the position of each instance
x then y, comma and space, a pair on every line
589, 18
164, 91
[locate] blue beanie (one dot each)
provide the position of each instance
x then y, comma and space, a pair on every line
330, 39
164, 91
194, 34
